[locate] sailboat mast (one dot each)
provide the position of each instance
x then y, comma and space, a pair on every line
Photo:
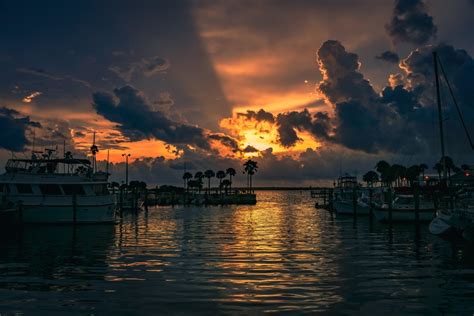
440, 114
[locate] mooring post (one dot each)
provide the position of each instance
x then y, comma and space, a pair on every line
20, 211
389, 204
416, 192
74, 209
371, 210
354, 201
146, 200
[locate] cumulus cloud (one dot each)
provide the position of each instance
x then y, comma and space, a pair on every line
226, 140
318, 125
389, 56
341, 77
411, 23
361, 116
138, 121
13, 129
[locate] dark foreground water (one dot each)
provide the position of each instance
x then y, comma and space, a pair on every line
281, 255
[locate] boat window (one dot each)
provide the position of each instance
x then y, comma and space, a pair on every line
24, 188
101, 189
71, 189
50, 189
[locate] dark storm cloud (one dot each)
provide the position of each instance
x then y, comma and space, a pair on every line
389, 56
138, 121
13, 129
259, 116
250, 149
225, 140
411, 23
341, 77
362, 117
318, 125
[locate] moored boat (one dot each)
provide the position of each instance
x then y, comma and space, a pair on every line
403, 210
50, 190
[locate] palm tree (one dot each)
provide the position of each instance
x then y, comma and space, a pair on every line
423, 167
465, 167
226, 183
384, 169
398, 173
220, 175
250, 168
450, 166
439, 168
199, 175
186, 177
231, 172
412, 173
370, 177
209, 174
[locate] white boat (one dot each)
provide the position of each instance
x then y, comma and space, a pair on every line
403, 210
457, 222
52, 190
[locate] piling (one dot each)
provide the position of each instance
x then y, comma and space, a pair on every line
20, 212
371, 210
416, 194
74, 209
389, 195
354, 201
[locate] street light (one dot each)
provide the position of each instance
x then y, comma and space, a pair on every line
126, 167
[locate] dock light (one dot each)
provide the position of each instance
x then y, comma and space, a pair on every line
467, 174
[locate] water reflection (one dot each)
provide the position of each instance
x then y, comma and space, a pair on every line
281, 255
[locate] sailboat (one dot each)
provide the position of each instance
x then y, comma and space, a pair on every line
459, 218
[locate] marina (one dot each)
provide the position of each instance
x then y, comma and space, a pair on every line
279, 256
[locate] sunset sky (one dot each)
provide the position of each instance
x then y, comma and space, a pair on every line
309, 89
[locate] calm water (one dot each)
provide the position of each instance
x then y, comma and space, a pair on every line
281, 255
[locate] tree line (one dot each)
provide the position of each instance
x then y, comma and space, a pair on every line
400, 175
196, 182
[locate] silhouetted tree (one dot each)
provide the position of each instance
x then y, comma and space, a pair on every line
226, 183
231, 172
250, 168
198, 176
439, 169
220, 175
186, 177
423, 167
370, 177
412, 173
383, 168
209, 174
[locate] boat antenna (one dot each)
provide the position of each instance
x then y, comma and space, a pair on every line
107, 165
33, 147
456, 103
440, 114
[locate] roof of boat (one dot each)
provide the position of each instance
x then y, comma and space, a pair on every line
65, 161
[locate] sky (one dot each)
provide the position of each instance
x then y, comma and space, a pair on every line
308, 89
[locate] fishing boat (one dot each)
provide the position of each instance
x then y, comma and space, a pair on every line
403, 210
346, 193
52, 190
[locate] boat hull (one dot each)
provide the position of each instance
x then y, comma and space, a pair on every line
404, 215
347, 208
65, 210
54, 214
